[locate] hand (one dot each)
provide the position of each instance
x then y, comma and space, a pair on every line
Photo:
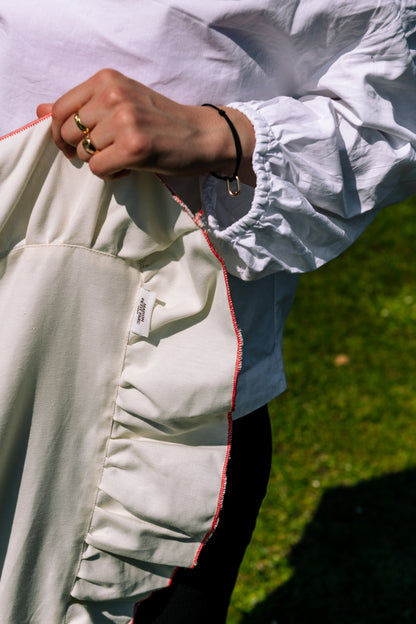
134, 127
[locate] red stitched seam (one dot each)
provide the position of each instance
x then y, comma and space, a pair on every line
176, 198
196, 218
23, 128
198, 221
236, 372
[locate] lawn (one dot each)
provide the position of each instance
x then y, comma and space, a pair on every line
334, 543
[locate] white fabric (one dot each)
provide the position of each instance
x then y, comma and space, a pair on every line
113, 446
328, 85
330, 89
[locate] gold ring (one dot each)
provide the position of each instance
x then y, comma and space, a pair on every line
80, 125
89, 146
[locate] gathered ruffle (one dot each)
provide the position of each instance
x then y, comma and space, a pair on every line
164, 470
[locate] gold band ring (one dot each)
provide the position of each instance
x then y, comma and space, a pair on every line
80, 125
89, 146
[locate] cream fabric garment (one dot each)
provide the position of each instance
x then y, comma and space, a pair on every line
113, 446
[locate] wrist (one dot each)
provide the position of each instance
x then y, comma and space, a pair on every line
247, 138
232, 181
229, 155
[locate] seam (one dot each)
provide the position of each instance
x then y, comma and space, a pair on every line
198, 222
35, 122
177, 199
21, 247
229, 415
237, 369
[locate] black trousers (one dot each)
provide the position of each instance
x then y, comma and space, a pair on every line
202, 594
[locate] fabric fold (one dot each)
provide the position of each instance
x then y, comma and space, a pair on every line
113, 444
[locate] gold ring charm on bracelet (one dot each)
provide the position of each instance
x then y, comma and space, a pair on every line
84, 129
89, 146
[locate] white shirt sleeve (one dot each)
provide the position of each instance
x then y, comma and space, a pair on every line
328, 158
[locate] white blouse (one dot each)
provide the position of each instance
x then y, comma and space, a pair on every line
329, 87
101, 510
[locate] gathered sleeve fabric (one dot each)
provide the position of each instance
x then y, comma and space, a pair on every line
331, 155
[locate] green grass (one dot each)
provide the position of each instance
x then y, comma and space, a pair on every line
334, 543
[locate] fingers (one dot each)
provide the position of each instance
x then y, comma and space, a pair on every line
94, 144
124, 125
100, 149
92, 100
109, 163
73, 132
65, 132
43, 109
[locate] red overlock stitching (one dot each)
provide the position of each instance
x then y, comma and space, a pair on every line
197, 220
26, 127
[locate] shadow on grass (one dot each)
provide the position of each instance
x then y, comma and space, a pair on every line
356, 562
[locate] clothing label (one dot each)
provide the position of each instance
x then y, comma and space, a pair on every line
143, 313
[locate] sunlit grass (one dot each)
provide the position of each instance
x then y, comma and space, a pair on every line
346, 422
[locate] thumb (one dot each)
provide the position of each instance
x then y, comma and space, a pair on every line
43, 109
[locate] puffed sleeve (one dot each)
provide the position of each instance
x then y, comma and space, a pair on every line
330, 157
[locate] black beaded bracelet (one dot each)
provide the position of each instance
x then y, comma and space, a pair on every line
239, 152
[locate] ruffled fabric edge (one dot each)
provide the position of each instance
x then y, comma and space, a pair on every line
164, 473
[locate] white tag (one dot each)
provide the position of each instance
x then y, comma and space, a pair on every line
143, 313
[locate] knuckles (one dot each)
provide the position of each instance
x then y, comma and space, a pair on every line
128, 107
137, 146
132, 131
113, 95
126, 116
108, 76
